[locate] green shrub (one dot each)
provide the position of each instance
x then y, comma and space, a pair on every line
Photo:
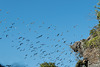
93, 43
45, 64
93, 32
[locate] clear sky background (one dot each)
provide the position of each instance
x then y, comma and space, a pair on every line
72, 18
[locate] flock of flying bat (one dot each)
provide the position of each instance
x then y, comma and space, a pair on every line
35, 47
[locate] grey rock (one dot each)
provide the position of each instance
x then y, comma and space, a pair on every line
93, 54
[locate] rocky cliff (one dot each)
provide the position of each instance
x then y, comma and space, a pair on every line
89, 48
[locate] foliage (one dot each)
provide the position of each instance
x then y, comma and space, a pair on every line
95, 31
45, 64
97, 10
93, 42
80, 64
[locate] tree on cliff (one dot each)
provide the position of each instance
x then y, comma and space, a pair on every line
98, 11
90, 48
45, 64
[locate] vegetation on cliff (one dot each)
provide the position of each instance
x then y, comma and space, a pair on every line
95, 41
86, 45
45, 64
95, 32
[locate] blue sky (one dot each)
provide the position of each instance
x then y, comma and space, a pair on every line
62, 15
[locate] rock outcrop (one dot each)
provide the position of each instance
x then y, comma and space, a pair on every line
93, 54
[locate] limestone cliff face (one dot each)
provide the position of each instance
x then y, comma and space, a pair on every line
95, 65
93, 54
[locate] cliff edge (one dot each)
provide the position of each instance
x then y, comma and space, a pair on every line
89, 49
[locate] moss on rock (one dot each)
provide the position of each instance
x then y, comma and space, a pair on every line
93, 42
